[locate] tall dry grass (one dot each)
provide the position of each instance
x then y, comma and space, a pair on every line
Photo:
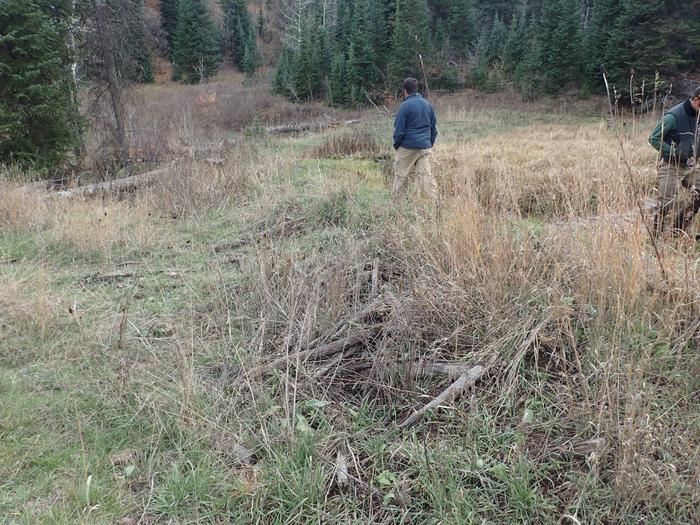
539, 267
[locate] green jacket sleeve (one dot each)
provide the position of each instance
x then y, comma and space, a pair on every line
665, 126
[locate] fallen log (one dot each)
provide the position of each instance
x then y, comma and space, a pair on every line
112, 186
448, 395
308, 126
289, 225
416, 369
233, 449
341, 470
362, 317
327, 350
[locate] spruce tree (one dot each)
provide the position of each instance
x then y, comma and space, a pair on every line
38, 115
488, 73
653, 36
250, 56
360, 67
379, 31
168, 21
410, 39
561, 44
338, 82
528, 76
282, 81
196, 50
239, 34
515, 41
461, 26
261, 23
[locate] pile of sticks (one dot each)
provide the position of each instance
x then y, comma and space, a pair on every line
337, 352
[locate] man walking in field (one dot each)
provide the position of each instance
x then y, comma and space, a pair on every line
415, 132
676, 139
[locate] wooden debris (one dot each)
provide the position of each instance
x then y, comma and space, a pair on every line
448, 395
116, 276
308, 126
437, 368
361, 318
288, 226
416, 369
583, 448
341, 470
375, 278
108, 277
327, 350
113, 186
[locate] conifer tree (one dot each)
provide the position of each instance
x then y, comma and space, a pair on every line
461, 26
168, 21
528, 76
652, 36
488, 74
515, 42
261, 23
379, 31
196, 51
410, 39
561, 44
360, 67
282, 81
338, 81
239, 34
38, 115
250, 57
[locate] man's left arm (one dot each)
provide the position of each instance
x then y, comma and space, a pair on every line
400, 127
433, 127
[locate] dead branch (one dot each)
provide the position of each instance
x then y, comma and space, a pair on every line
375, 278
448, 395
113, 186
362, 317
416, 369
341, 470
233, 449
288, 226
307, 126
327, 350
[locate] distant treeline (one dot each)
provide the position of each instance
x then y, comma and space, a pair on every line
347, 50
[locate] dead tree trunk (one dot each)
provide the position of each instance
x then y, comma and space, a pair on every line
112, 77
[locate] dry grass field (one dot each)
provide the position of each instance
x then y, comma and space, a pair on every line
159, 352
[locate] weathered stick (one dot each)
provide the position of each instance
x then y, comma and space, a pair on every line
112, 186
360, 318
327, 350
442, 369
418, 369
234, 450
448, 395
341, 470
307, 126
375, 278
273, 231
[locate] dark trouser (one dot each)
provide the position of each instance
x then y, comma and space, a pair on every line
672, 177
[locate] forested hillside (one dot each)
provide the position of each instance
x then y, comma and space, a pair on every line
215, 309
348, 53
345, 50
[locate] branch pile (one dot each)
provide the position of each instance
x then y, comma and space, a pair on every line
340, 352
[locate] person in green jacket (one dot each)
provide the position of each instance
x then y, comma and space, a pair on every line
675, 137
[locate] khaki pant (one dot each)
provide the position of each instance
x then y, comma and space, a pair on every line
404, 161
681, 205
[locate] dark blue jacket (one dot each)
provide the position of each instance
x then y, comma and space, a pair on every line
415, 126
